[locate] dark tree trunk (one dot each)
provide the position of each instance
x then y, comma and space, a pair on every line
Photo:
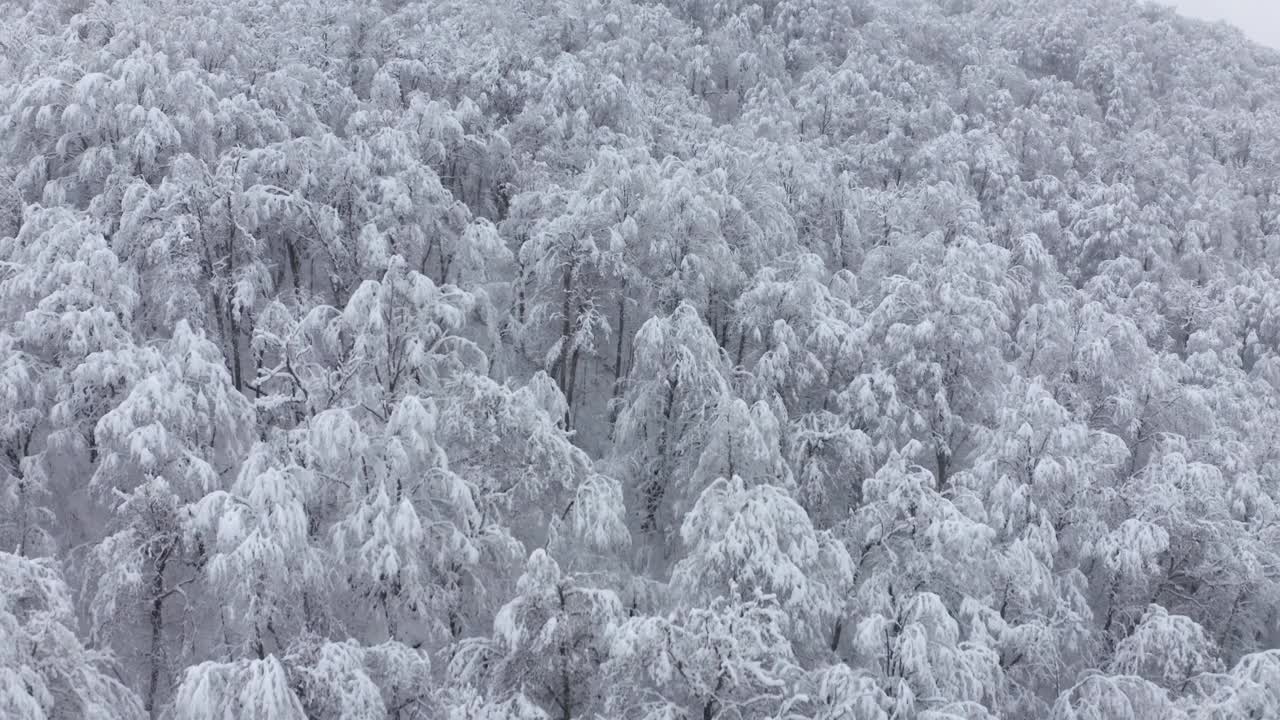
156, 648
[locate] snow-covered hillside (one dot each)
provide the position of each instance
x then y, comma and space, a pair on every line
637, 360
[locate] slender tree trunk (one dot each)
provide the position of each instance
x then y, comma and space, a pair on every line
568, 313
617, 355
712, 707
155, 653
521, 282
566, 329
443, 262
566, 686
1113, 592
15, 458
234, 326
656, 486
566, 690
573, 383
295, 264
219, 315
943, 458
237, 375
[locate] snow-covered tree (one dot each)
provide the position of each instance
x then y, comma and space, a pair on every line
46, 672
747, 542
677, 381
548, 645
176, 436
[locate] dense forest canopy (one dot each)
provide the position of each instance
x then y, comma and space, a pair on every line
637, 360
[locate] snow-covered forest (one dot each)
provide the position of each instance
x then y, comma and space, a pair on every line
637, 360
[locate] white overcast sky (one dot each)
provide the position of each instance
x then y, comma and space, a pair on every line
1260, 19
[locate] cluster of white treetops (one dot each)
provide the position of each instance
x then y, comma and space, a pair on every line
637, 360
